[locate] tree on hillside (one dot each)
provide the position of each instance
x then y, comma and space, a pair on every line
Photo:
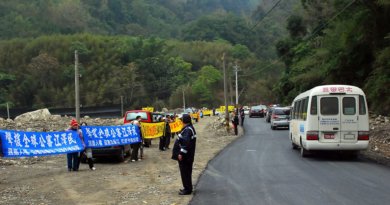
208, 77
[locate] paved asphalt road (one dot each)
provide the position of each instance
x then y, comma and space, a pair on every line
262, 168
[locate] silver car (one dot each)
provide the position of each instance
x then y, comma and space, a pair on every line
280, 117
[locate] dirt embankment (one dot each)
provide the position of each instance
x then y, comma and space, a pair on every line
154, 180
379, 148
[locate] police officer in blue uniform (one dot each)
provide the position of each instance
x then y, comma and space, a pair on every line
184, 152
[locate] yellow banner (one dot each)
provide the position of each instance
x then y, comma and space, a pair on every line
176, 126
152, 130
150, 109
230, 108
207, 112
195, 115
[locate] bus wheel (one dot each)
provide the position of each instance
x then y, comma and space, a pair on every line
294, 146
304, 152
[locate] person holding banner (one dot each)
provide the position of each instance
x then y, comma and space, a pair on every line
165, 139
136, 146
161, 145
73, 157
184, 152
168, 136
87, 153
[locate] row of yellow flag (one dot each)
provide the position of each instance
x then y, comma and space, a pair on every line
157, 129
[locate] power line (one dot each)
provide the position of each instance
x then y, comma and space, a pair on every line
316, 31
268, 12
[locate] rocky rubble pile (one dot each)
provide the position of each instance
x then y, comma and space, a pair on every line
379, 149
45, 121
219, 126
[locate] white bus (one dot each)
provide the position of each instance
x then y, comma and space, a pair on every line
330, 117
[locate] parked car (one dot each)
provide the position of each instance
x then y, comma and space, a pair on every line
121, 151
258, 110
280, 117
146, 116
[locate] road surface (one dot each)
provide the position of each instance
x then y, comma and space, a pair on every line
262, 168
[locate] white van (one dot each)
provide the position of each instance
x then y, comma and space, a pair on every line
330, 117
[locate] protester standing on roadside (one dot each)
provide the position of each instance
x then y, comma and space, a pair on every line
136, 146
161, 145
242, 115
87, 152
184, 152
235, 122
168, 131
73, 158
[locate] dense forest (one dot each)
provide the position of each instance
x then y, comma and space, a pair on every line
147, 51
151, 52
337, 41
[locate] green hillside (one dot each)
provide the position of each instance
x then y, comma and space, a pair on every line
149, 51
145, 50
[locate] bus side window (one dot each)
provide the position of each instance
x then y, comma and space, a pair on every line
362, 105
313, 106
301, 105
304, 111
292, 112
297, 110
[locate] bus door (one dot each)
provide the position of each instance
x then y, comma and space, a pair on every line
329, 119
349, 118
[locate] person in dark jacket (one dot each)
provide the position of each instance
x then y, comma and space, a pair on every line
168, 132
184, 148
136, 146
242, 115
235, 123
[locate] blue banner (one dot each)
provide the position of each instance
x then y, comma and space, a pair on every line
29, 144
104, 136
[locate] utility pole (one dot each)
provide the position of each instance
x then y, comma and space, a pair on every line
230, 88
8, 111
76, 81
236, 71
225, 93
